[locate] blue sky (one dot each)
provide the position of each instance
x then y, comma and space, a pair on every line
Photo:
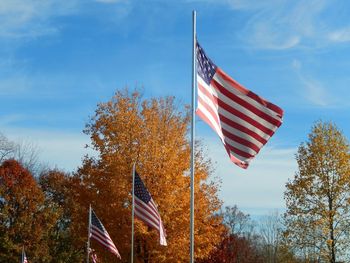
58, 59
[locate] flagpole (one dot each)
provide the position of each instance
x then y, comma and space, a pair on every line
132, 214
88, 242
22, 254
192, 135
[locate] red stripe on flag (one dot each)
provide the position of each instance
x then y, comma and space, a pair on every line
249, 93
245, 104
241, 115
226, 120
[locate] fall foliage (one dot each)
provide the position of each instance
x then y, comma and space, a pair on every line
47, 213
24, 218
151, 133
56, 186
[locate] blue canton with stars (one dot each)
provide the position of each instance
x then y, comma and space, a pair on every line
140, 190
205, 67
96, 222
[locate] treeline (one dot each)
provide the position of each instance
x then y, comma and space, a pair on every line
39, 214
46, 210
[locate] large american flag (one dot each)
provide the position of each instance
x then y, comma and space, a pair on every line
100, 234
243, 120
146, 210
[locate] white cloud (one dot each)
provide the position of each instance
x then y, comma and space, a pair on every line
285, 24
26, 19
340, 35
260, 188
63, 150
31, 18
313, 90
267, 38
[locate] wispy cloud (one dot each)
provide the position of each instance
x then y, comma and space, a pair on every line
313, 90
285, 25
28, 19
64, 150
31, 18
340, 35
266, 37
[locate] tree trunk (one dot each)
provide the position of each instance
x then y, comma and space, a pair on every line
331, 230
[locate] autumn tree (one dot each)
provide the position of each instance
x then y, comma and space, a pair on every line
317, 199
152, 133
56, 186
24, 219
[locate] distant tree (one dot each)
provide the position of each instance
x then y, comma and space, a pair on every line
239, 242
235, 249
317, 199
26, 153
24, 219
239, 224
270, 231
152, 133
7, 148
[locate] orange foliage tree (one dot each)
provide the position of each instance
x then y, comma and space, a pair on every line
152, 133
24, 218
56, 186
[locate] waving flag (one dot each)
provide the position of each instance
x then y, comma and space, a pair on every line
93, 255
100, 234
24, 256
243, 120
146, 210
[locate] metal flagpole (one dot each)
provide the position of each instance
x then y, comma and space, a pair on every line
132, 214
88, 242
192, 135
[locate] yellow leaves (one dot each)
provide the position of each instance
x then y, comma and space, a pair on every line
317, 198
329, 242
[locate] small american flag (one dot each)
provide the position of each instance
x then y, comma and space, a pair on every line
146, 210
243, 120
93, 255
100, 234
24, 257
